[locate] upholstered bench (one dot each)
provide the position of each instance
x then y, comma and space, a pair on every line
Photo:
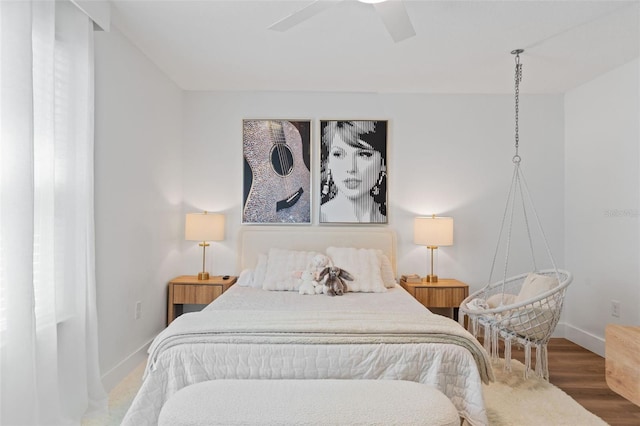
310, 402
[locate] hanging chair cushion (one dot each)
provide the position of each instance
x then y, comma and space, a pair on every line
497, 299
533, 323
534, 320
534, 285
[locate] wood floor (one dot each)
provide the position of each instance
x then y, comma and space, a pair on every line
581, 374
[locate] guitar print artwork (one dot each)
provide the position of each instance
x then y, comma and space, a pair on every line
277, 178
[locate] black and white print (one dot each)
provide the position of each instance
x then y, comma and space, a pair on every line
353, 157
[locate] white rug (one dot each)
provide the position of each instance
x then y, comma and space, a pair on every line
510, 400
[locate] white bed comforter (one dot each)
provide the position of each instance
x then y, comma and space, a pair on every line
413, 345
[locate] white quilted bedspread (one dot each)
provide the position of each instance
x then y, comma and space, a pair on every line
400, 341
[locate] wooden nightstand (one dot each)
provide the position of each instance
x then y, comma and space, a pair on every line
187, 289
446, 293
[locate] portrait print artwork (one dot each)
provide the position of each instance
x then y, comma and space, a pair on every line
277, 175
353, 168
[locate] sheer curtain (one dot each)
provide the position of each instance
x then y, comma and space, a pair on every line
49, 372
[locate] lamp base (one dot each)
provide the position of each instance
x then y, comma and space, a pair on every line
203, 276
430, 279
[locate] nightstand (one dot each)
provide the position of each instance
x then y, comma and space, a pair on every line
446, 293
188, 289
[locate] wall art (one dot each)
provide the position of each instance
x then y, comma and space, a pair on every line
353, 168
277, 171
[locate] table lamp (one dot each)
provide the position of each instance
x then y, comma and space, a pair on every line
204, 227
433, 232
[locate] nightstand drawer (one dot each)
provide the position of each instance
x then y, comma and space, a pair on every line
440, 297
189, 290
445, 293
195, 294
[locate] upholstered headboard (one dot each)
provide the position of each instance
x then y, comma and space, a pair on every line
254, 241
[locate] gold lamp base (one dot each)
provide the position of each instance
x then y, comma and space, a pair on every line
203, 275
431, 278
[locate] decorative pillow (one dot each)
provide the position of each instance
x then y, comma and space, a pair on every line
534, 285
362, 264
260, 271
386, 270
281, 268
246, 278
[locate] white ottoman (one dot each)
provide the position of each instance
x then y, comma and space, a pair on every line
308, 402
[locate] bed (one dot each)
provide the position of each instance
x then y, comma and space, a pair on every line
376, 333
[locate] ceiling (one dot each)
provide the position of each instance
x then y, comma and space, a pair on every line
460, 46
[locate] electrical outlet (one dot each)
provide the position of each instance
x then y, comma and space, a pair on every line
615, 308
138, 312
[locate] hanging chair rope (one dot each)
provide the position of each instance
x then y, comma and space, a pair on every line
526, 221
504, 219
542, 233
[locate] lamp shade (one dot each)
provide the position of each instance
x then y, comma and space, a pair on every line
204, 227
433, 231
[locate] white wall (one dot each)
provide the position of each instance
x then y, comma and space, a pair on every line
138, 196
603, 204
447, 154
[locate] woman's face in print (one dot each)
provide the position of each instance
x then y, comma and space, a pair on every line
354, 169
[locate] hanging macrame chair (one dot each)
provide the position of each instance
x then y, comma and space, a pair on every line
522, 309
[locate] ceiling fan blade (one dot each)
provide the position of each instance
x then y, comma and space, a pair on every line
303, 14
395, 18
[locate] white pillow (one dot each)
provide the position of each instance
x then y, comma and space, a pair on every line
282, 266
534, 285
386, 270
362, 264
246, 278
260, 272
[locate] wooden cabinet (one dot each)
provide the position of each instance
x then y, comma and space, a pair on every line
446, 293
622, 358
188, 290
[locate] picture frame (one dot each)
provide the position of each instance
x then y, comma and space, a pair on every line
276, 171
353, 171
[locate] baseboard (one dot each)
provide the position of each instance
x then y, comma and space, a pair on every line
114, 376
585, 339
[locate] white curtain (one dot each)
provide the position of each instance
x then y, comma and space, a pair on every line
49, 373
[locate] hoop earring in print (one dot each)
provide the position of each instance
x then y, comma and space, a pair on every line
327, 184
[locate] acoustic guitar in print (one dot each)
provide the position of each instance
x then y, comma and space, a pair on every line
280, 179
